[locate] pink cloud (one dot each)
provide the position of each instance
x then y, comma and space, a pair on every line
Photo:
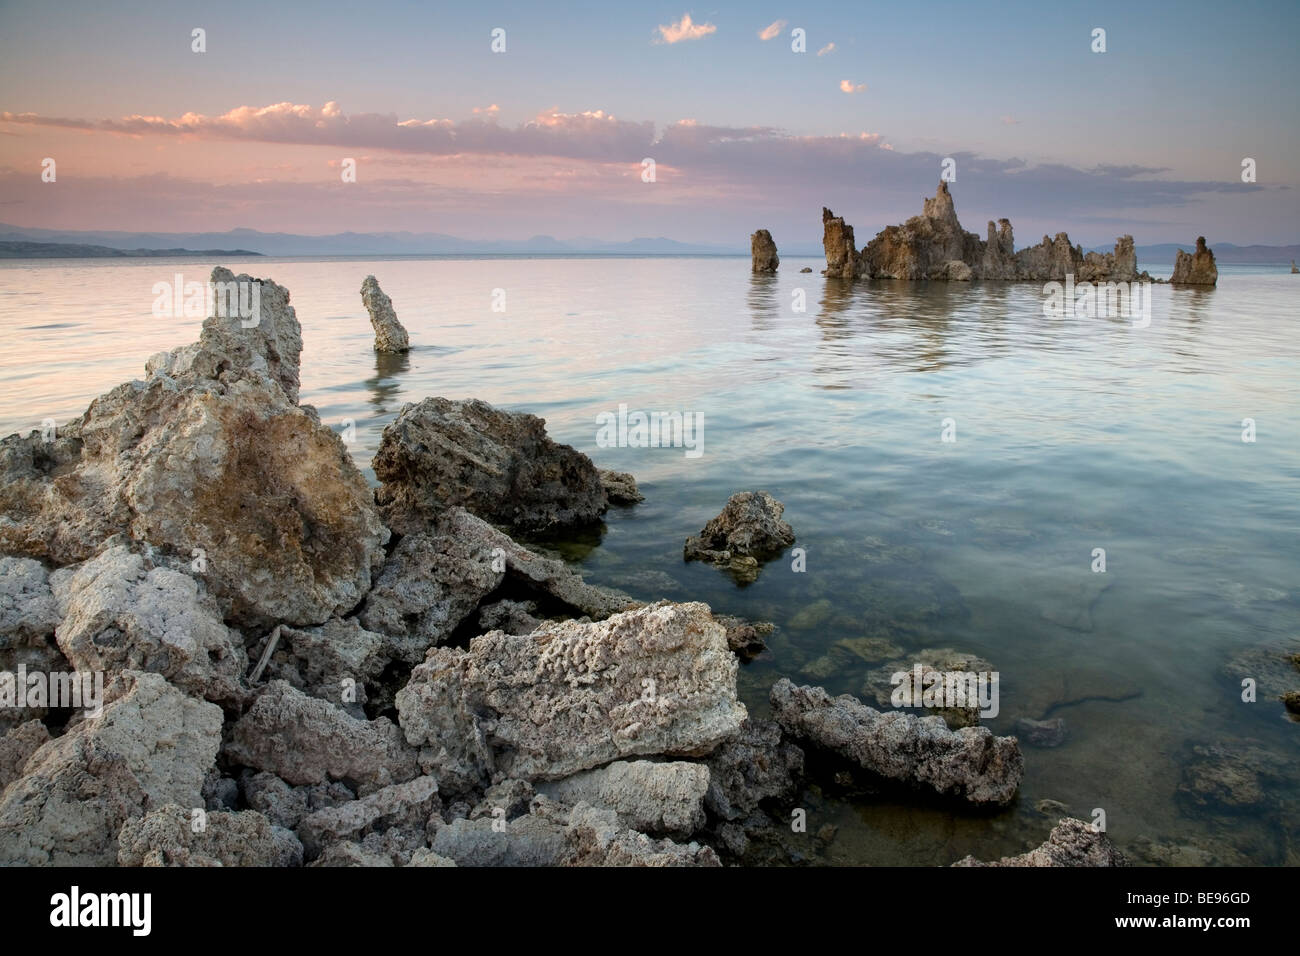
772, 30
848, 87
684, 29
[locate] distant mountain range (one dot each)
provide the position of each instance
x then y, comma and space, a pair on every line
73, 250
47, 243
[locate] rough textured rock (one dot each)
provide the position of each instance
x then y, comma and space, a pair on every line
152, 746
334, 661
746, 638
285, 805
934, 245
837, 241
553, 835
230, 473
749, 530
660, 798
513, 617
879, 685
306, 740
620, 487
167, 837
389, 334
969, 763
28, 618
434, 581
406, 805
572, 696
17, 747
498, 465
1195, 268
119, 613
757, 765
351, 854
762, 251
1071, 843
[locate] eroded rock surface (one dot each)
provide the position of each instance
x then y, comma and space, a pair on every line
1071, 843
762, 251
748, 531
970, 763
168, 836
660, 798
572, 696
1195, 268
390, 336
152, 746
499, 465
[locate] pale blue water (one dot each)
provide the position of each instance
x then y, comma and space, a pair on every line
1071, 435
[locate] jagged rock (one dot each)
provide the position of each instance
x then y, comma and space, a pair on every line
426, 857
762, 252
119, 613
389, 334
17, 747
28, 611
334, 661
151, 746
620, 487
1071, 843
28, 618
747, 531
167, 837
1196, 268
553, 835
572, 696
433, 582
969, 763
513, 617
306, 740
351, 854
756, 765
405, 805
659, 798
508, 798
933, 245
229, 473
837, 241
596, 838
498, 465
218, 792
286, 805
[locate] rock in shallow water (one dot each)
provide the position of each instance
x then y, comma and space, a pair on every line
1071, 843
763, 252
970, 763
498, 465
748, 531
390, 336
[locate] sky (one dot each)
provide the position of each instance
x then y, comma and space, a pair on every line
549, 136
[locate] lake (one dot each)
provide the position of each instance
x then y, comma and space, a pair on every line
1071, 435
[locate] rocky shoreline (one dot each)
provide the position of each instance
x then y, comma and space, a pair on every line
301, 670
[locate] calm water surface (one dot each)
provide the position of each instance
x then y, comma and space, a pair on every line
1071, 435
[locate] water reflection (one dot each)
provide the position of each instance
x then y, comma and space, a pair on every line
385, 385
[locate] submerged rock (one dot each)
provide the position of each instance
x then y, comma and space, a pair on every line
389, 334
572, 696
1071, 843
151, 746
747, 531
969, 763
620, 487
499, 465
1195, 268
762, 252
